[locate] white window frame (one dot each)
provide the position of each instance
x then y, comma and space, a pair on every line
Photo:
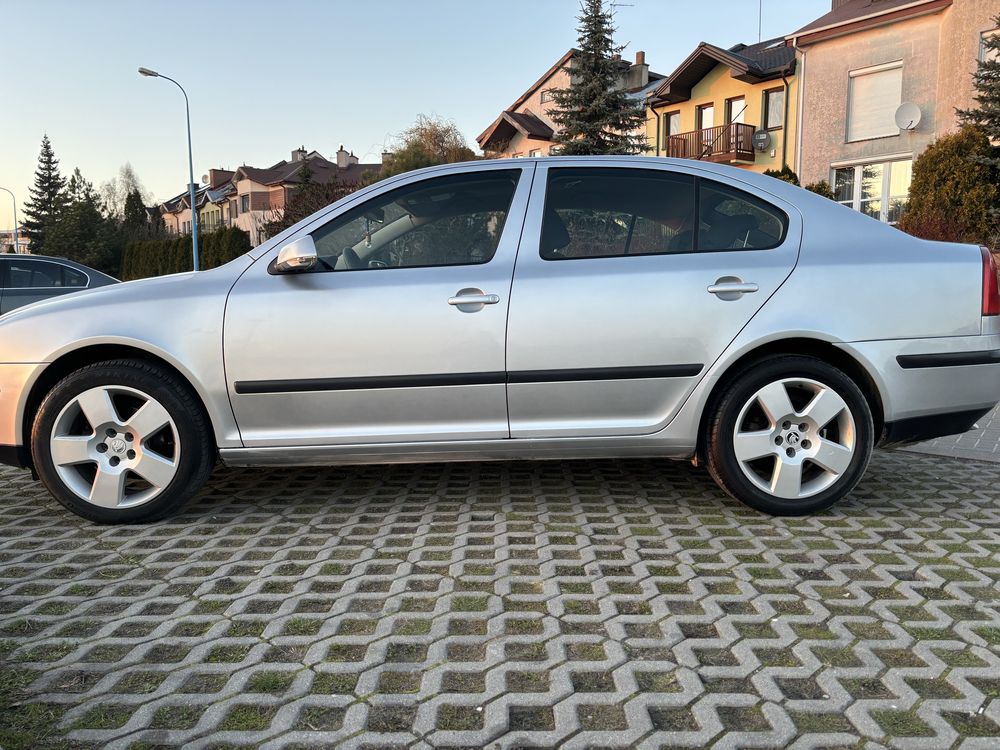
545, 96
860, 73
858, 167
534, 153
983, 36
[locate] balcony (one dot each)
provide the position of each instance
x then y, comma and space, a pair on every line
725, 144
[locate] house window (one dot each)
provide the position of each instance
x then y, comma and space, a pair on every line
706, 116
232, 210
244, 204
553, 151
874, 96
546, 96
736, 109
985, 53
880, 189
671, 126
518, 155
774, 109
535, 152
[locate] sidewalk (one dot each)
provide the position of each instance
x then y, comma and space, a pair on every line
982, 444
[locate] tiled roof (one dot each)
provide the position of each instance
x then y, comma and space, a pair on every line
853, 11
751, 63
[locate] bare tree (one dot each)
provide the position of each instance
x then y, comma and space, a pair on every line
115, 191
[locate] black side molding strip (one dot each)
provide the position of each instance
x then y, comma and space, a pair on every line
949, 359
354, 384
603, 373
469, 378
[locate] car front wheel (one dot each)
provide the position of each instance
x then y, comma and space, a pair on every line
790, 436
122, 442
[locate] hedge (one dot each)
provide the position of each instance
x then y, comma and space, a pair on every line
173, 254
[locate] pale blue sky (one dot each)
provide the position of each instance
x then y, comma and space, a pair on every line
266, 77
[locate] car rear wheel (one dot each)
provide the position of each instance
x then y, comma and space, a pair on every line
122, 442
790, 436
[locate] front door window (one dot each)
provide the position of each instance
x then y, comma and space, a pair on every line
444, 221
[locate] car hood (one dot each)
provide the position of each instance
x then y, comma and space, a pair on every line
151, 291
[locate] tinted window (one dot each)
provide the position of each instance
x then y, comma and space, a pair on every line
72, 277
599, 213
444, 221
730, 219
30, 274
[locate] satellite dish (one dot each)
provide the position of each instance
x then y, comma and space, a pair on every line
908, 116
761, 140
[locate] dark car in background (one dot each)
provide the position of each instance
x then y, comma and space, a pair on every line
31, 278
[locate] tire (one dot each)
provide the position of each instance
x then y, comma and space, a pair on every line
122, 441
827, 460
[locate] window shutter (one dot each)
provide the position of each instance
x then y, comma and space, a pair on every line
875, 97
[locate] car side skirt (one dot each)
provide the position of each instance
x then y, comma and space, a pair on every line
507, 449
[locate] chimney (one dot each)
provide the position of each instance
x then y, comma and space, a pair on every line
299, 154
839, 3
638, 75
343, 158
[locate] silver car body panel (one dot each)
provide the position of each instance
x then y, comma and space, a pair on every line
839, 278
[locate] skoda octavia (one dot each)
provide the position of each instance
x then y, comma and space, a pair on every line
524, 309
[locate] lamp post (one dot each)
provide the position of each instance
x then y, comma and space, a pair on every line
17, 244
187, 111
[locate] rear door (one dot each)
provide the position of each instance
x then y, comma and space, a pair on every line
629, 283
28, 280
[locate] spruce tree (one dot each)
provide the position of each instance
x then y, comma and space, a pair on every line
48, 197
134, 221
987, 83
594, 114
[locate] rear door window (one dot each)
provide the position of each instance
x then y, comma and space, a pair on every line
612, 212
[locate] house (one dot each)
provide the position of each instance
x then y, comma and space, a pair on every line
733, 106
7, 244
879, 81
251, 197
526, 128
261, 194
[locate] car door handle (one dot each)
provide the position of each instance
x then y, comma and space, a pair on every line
732, 288
474, 299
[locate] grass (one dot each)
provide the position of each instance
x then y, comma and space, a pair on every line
248, 718
105, 716
269, 682
23, 724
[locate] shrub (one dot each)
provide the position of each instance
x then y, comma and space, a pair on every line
785, 174
954, 195
173, 254
821, 188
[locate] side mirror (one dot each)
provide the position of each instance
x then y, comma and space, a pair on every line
297, 256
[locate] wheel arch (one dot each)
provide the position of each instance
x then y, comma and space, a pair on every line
806, 346
75, 359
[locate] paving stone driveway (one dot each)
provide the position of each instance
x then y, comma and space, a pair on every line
601, 604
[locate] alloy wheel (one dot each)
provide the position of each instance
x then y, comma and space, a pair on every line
115, 447
794, 438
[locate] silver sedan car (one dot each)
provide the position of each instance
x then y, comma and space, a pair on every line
525, 309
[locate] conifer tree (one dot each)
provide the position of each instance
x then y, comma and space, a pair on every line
595, 114
48, 197
987, 83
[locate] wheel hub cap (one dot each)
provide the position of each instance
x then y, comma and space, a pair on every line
793, 450
115, 447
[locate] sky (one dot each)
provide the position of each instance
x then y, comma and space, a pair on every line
266, 77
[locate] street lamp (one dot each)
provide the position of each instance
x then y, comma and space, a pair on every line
17, 245
187, 110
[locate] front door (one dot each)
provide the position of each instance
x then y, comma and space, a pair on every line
627, 289
398, 333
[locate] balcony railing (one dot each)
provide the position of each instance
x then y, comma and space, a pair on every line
723, 143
